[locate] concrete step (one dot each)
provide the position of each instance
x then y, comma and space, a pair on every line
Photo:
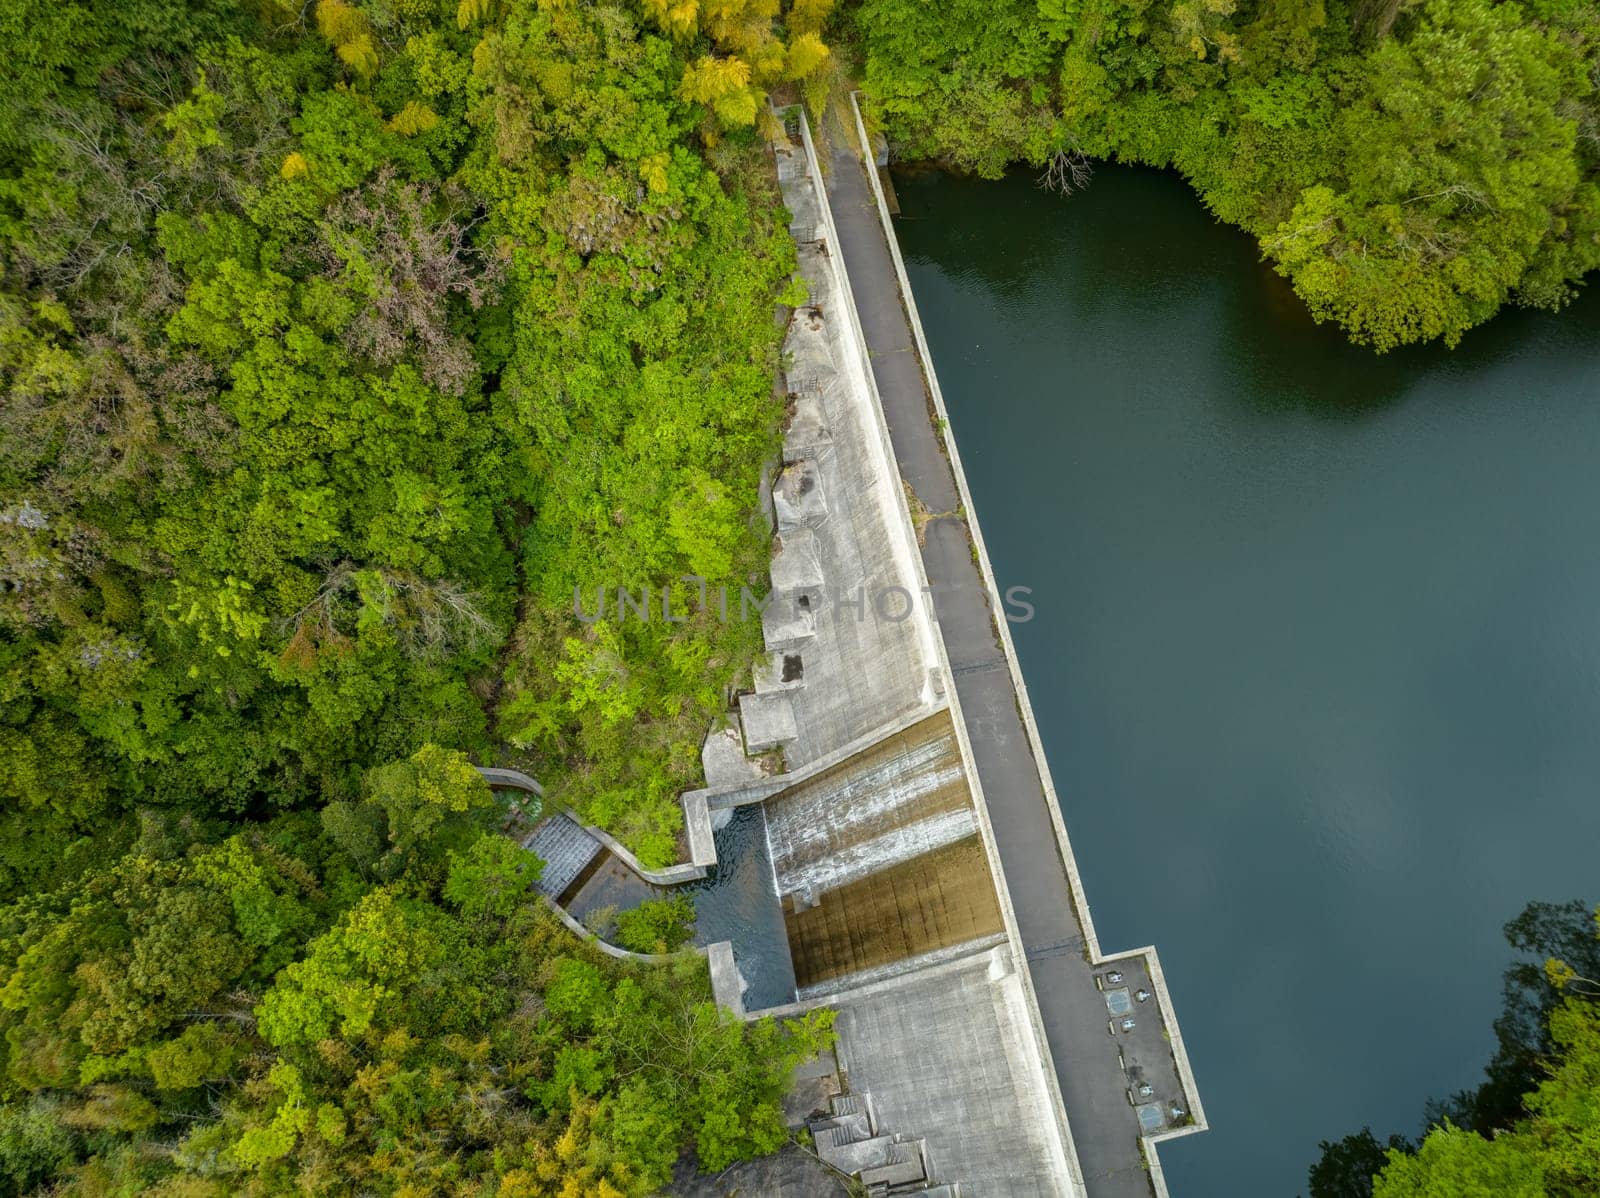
566, 850
780, 670
797, 498
784, 627
854, 1104
857, 1155
841, 1130
767, 720
808, 428
896, 1173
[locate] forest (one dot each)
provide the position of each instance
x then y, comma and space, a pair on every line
340, 342
1409, 165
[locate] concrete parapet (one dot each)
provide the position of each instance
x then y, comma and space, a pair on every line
726, 799
697, 822
611, 950
721, 798
690, 871
499, 776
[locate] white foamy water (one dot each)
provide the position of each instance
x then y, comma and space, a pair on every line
856, 861
869, 814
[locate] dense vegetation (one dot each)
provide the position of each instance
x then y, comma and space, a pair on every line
1410, 165
340, 342
358, 1000
336, 360
1532, 1128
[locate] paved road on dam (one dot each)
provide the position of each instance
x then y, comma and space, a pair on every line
1075, 1017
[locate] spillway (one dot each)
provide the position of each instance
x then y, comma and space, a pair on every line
902, 798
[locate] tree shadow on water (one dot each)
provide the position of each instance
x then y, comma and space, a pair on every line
1136, 265
1296, 366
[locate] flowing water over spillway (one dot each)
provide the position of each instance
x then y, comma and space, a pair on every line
904, 796
878, 859
1316, 655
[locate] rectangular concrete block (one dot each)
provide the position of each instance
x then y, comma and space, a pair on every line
726, 987
697, 826
798, 496
768, 721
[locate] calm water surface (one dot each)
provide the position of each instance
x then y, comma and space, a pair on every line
1317, 652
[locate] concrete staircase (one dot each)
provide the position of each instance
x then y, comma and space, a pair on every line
848, 1138
566, 850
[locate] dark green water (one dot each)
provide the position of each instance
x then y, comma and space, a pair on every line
1317, 652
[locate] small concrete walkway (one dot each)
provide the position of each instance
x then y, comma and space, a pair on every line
1093, 1084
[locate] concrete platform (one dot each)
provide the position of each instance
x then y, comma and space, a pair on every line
944, 1054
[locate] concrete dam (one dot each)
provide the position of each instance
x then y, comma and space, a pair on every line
914, 869
917, 846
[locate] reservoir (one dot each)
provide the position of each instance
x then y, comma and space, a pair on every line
1316, 651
